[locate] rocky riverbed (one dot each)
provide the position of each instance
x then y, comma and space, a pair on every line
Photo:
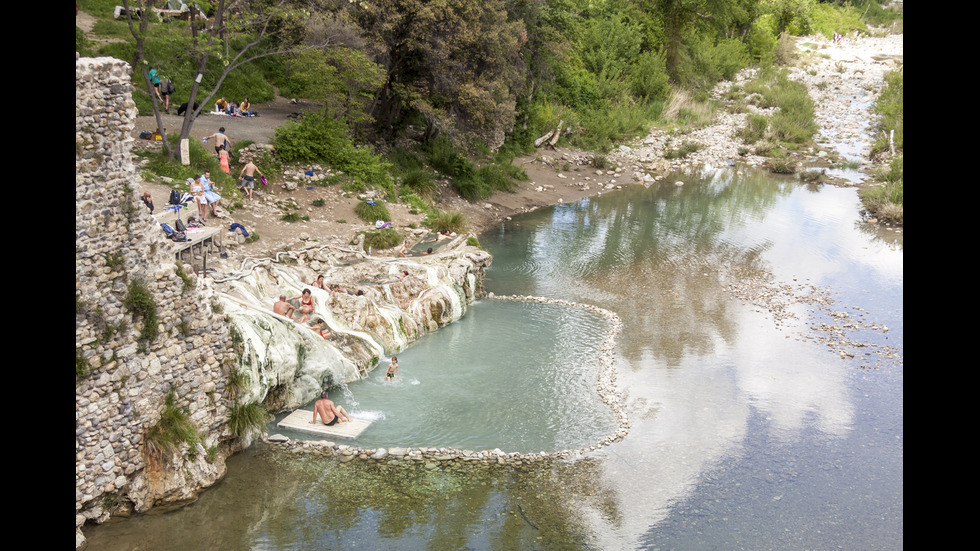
843, 80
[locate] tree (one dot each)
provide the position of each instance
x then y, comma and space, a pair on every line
454, 63
682, 16
268, 29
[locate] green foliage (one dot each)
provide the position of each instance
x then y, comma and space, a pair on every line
781, 166
472, 182
718, 61
343, 79
371, 213
688, 147
793, 122
890, 107
245, 419
81, 364
600, 128
420, 182
648, 78
453, 221
83, 45
317, 137
761, 41
173, 429
608, 48
384, 238
827, 19
452, 62
756, 128
140, 303
293, 217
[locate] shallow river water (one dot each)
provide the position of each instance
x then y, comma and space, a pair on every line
759, 361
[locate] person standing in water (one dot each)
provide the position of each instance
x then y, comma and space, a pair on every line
392, 372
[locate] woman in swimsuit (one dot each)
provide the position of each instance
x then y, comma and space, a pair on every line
318, 283
197, 190
305, 305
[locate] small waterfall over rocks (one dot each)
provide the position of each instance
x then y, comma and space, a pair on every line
373, 312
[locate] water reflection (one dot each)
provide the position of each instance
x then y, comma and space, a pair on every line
747, 429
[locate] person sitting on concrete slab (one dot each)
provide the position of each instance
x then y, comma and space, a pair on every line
326, 409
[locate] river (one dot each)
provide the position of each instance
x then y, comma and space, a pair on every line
760, 363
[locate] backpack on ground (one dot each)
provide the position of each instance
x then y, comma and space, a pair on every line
180, 226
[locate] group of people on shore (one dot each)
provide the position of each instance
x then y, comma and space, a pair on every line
243, 109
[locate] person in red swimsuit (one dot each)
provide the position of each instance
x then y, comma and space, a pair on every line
305, 305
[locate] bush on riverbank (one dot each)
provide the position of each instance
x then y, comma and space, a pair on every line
790, 126
886, 201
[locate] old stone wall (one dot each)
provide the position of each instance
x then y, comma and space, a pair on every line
144, 330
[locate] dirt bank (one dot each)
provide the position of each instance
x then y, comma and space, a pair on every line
561, 175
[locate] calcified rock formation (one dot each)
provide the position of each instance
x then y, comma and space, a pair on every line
373, 312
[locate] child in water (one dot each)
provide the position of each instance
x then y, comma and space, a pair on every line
392, 372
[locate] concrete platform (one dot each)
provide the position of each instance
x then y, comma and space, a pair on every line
300, 420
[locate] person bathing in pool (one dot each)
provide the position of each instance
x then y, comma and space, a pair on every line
328, 410
392, 372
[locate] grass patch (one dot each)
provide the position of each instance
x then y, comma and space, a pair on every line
688, 147
173, 429
371, 213
246, 419
140, 303
384, 238
453, 221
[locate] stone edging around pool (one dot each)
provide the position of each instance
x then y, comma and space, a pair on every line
433, 457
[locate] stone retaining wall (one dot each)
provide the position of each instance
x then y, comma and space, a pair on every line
125, 368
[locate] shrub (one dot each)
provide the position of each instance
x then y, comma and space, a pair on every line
384, 238
139, 302
453, 221
781, 166
648, 79
420, 182
497, 177
371, 213
714, 62
246, 418
812, 176
173, 429
755, 128
890, 108
318, 137
685, 149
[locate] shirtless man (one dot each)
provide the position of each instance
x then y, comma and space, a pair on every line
247, 177
220, 141
327, 410
283, 308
